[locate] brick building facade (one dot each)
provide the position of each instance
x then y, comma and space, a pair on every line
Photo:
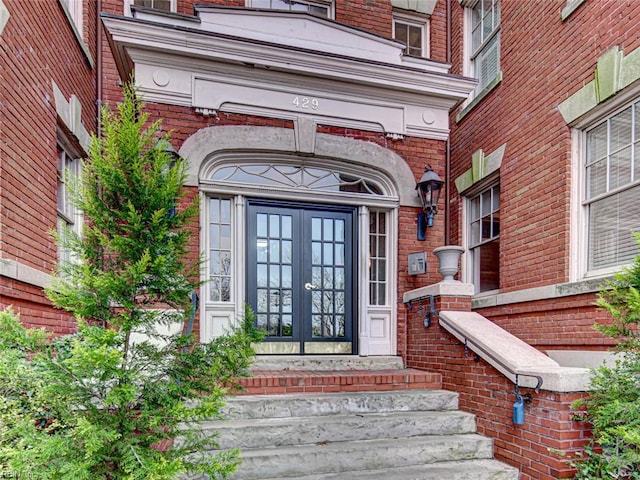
307, 127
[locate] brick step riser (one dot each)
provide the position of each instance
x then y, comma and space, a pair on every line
261, 433
284, 382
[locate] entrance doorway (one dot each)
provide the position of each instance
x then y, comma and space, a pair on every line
301, 277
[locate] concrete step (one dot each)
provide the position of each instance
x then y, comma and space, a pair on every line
326, 362
258, 433
305, 405
466, 470
397, 434
338, 457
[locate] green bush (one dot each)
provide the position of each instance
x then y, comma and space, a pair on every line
613, 405
119, 399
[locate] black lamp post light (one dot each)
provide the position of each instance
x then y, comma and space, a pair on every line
428, 188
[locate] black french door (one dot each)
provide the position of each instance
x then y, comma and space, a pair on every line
300, 276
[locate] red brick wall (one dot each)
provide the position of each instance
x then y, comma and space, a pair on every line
543, 61
488, 394
38, 46
554, 324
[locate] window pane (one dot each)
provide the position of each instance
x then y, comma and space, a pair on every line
597, 179
415, 39
621, 130
484, 243
401, 33
612, 221
597, 143
489, 265
620, 169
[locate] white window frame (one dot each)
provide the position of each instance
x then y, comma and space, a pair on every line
68, 216
421, 22
129, 3
579, 234
471, 273
470, 56
329, 4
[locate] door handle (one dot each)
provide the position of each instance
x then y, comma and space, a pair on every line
310, 286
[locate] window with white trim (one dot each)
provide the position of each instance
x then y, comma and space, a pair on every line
483, 42
68, 217
484, 239
220, 249
412, 31
378, 258
166, 5
318, 7
612, 189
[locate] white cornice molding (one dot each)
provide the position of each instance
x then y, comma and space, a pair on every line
214, 71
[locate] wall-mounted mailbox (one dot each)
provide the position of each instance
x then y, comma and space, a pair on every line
417, 263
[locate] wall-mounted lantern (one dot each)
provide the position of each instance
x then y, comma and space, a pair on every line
428, 188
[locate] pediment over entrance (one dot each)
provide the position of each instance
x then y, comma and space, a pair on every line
284, 65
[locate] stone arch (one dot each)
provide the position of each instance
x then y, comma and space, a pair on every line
211, 140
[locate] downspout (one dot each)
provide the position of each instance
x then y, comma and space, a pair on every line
98, 69
447, 200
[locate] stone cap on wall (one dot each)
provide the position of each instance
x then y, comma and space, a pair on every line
511, 356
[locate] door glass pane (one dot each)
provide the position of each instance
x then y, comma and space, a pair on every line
339, 278
287, 276
339, 260
274, 225
328, 254
274, 251
286, 226
316, 229
339, 224
261, 224
328, 230
262, 276
328, 278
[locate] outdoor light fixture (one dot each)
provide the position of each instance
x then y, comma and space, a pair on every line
428, 189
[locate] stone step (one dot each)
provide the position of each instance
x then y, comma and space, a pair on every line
465, 470
277, 432
304, 381
306, 405
334, 458
326, 362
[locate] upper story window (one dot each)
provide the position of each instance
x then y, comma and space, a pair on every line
483, 44
484, 239
411, 30
166, 5
612, 189
318, 7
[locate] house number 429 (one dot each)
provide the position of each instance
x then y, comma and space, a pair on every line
306, 103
